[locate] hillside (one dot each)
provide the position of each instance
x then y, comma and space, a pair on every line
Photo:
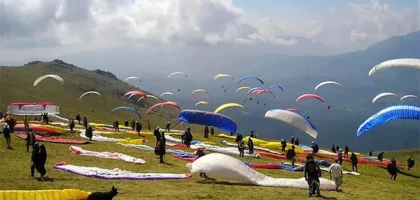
370, 184
16, 86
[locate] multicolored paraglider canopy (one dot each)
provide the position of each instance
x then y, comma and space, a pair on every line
204, 118
20, 108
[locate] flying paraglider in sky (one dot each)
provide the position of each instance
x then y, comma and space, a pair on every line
328, 83
409, 96
276, 86
252, 89
136, 92
396, 63
166, 93
41, 78
202, 103
151, 96
127, 108
132, 77
243, 88
90, 92
222, 75
251, 77
388, 114
177, 73
383, 94
168, 103
293, 119
314, 96
200, 90
203, 118
227, 105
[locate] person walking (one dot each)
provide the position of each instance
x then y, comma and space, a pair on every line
336, 174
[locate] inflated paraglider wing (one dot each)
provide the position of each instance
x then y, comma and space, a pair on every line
168, 103
219, 121
396, 63
383, 94
305, 96
277, 86
387, 114
327, 83
166, 93
227, 105
201, 103
222, 75
127, 108
293, 119
56, 77
409, 96
136, 92
132, 77
177, 73
252, 89
151, 96
90, 92
251, 77
243, 88
200, 90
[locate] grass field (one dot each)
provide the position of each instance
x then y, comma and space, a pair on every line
16, 85
373, 183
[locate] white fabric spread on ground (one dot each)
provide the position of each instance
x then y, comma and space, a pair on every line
108, 155
255, 147
117, 173
99, 138
344, 172
226, 150
234, 169
148, 148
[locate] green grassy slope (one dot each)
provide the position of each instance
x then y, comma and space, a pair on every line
16, 85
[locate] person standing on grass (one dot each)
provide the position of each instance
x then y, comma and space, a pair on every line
126, 123
354, 161
346, 151
161, 147
292, 140
188, 137
200, 153
336, 173
206, 132
168, 127
89, 132
30, 139
312, 172
410, 163
78, 118
26, 123
291, 155
138, 127
85, 122
340, 157
283, 145
333, 149
381, 156
241, 147
297, 142
250, 146
71, 124
393, 169
211, 130
6, 134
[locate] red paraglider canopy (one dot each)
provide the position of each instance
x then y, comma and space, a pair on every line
168, 103
136, 92
305, 96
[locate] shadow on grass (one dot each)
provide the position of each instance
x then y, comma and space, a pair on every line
324, 197
409, 175
210, 181
45, 179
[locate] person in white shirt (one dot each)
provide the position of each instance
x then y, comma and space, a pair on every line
336, 173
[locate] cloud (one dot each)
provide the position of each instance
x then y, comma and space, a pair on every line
70, 26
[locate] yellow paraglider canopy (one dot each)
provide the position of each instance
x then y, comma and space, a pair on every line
243, 88
227, 105
202, 102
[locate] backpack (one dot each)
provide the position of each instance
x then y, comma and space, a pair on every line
311, 168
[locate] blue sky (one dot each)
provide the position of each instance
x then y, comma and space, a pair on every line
307, 8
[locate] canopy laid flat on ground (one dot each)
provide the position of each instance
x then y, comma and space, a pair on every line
65, 194
53, 139
108, 155
95, 172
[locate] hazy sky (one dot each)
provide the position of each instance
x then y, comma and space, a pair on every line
36, 29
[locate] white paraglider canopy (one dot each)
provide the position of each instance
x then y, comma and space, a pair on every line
56, 77
293, 119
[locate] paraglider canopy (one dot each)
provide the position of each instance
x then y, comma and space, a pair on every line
177, 73
222, 75
396, 63
166, 93
251, 77
327, 83
383, 94
203, 118
305, 96
227, 105
168, 103
388, 114
127, 108
136, 92
293, 119
56, 77
90, 92
20, 108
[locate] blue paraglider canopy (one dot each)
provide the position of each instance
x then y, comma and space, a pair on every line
388, 114
204, 118
127, 108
